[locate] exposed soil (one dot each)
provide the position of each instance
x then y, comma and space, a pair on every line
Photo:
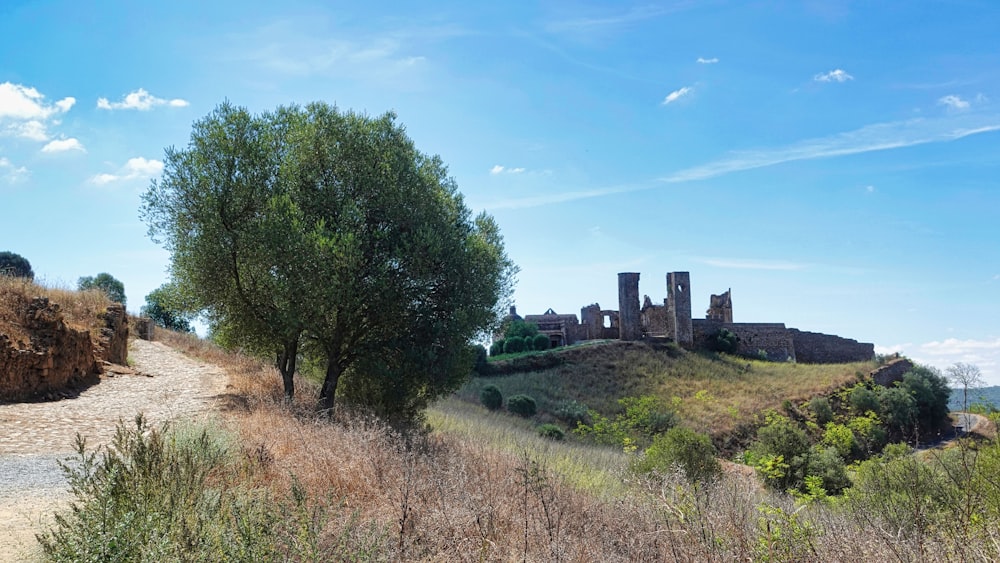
162, 384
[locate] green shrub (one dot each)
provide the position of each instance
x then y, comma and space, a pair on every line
573, 413
691, 451
491, 397
644, 418
781, 453
551, 431
540, 342
820, 407
827, 464
522, 405
481, 365
513, 345
724, 340
863, 400
497, 348
521, 329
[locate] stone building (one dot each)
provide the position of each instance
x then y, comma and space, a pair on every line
672, 321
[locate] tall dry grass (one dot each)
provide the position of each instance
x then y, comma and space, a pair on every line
478, 488
81, 309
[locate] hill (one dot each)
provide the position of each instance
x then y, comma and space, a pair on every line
987, 396
712, 393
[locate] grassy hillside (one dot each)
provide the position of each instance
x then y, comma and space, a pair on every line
711, 393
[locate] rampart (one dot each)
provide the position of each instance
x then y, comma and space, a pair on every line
672, 321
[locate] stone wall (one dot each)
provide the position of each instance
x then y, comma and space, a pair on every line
816, 348
891, 372
58, 356
773, 338
679, 307
113, 340
654, 319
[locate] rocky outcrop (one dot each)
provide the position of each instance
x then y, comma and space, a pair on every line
58, 357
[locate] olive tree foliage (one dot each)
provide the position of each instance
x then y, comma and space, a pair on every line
110, 285
312, 231
15, 265
164, 305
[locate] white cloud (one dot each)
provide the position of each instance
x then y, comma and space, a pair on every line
676, 95
954, 102
704, 61
944, 353
10, 173
140, 100
23, 111
135, 168
870, 189
837, 75
498, 169
63, 145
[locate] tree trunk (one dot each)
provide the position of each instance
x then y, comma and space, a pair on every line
286, 365
328, 392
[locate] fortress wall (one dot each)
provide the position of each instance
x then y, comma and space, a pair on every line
817, 348
773, 338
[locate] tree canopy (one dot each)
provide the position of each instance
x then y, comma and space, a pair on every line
163, 306
15, 265
312, 231
105, 282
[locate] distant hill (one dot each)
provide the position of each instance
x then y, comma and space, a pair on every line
981, 395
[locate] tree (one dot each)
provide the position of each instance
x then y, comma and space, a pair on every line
308, 230
965, 376
15, 265
163, 307
114, 289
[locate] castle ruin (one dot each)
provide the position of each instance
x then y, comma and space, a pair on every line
672, 321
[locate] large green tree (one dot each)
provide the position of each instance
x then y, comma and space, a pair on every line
111, 286
164, 306
309, 230
15, 265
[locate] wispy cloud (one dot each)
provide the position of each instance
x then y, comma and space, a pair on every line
63, 145
837, 75
704, 61
140, 100
751, 264
498, 169
24, 112
676, 95
633, 15
136, 168
876, 137
944, 353
870, 189
10, 173
954, 102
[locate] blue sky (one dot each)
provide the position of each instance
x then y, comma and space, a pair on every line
834, 163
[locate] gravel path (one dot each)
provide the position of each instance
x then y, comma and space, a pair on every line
166, 385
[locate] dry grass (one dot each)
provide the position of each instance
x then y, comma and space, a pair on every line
711, 393
81, 309
481, 487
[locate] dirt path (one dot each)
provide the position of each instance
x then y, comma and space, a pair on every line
33, 436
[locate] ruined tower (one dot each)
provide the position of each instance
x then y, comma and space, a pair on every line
629, 316
720, 307
679, 307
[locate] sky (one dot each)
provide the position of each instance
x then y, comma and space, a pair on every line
834, 163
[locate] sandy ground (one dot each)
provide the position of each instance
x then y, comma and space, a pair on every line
163, 385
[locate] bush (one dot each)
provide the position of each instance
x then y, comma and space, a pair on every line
481, 365
863, 400
540, 342
521, 329
522, 405
513, 345
820, 407
644, 418
551, 431
780, 453
573, 413
827, 464
682, 447
491, 397
15, 265
724, 340
497, 348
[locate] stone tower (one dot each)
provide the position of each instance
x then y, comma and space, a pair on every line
629, 316
679, 307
